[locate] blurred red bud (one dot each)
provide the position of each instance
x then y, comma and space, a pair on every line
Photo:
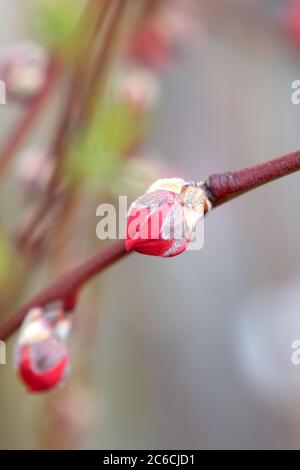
150, 48
291, 20
41, 356
170, 27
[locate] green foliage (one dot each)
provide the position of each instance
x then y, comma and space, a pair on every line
55, 21
114, 129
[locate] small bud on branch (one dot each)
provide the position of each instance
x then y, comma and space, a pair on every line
41, 354
161, 222
24, 69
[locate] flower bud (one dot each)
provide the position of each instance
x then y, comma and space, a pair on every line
167, 30
149, 48
161, 222
176, 23
41, 354
23, 68
33, 170
138, 88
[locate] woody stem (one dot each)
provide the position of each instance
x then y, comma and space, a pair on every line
225, 186
220, 188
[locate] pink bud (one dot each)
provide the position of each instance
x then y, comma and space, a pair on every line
41, 355
138, 88
176, 23
23, 68
161, 222
33, 170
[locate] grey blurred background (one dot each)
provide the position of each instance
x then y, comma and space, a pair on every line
195, 352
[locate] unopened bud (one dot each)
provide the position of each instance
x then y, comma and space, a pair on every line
33, 170
161, 222
23, 68
41, 355
138, 88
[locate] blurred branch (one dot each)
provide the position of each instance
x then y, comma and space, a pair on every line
220, 188
76, 104
20, 131
99, 72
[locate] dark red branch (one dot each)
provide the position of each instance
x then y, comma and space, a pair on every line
220, 188
67, 287
225, 186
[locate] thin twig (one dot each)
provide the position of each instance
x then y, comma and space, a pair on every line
68, 120
70, 115
100, 69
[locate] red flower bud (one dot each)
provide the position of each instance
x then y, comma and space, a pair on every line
160, 223
150, 48
41, 355
292, 21
163, 34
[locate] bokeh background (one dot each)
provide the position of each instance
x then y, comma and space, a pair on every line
195, 351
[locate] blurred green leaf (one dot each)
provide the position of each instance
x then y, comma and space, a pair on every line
55, 21
114, 128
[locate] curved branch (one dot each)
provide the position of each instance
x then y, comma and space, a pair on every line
67, 287
220, 188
